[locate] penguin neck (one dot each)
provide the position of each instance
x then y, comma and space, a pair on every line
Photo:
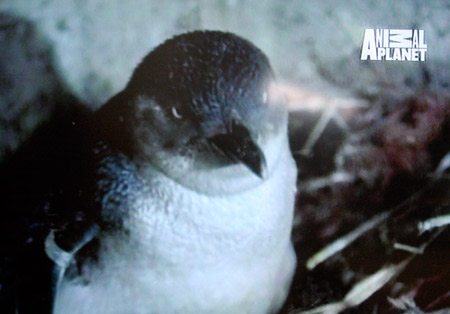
226, 180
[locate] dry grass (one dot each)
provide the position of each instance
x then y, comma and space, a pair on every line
373, 210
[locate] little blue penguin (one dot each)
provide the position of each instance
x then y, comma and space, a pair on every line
181, 194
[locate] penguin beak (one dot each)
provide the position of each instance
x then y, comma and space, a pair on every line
238, 146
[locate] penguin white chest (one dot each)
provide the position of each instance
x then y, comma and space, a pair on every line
185, 252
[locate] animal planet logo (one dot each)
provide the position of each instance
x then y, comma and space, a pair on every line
394, 45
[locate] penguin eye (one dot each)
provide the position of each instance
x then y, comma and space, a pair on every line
176, 113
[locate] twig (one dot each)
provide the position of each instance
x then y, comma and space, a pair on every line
345, 241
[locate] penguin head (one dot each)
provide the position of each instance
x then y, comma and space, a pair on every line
201, 111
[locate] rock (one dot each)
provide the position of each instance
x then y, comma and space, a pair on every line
29, 84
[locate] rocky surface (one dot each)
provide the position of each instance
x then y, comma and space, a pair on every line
97, 43
29, 84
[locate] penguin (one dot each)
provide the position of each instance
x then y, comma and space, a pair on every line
176, 196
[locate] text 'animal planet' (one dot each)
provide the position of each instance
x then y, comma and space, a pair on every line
394, 45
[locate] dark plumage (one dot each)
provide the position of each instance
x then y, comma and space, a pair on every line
199, 73
199, 95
